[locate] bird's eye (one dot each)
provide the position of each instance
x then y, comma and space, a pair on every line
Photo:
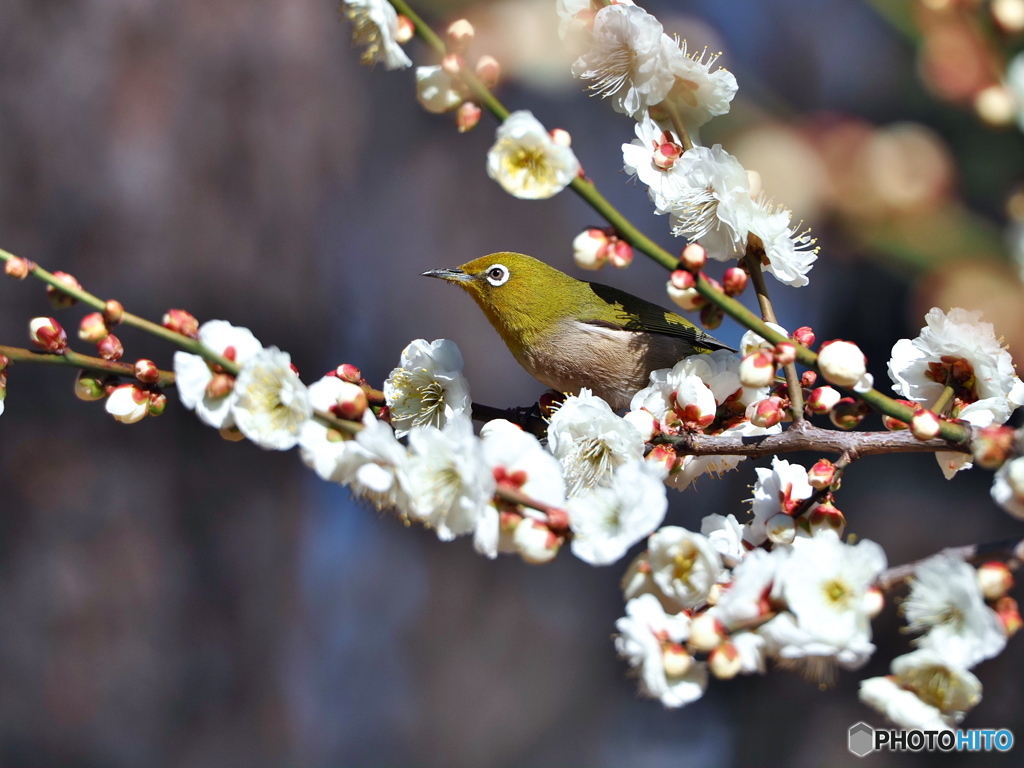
497, 275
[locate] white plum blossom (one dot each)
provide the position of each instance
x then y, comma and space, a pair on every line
591, 442
643, 157
271, 404
746, 599
684, 565
436, 90
323, 448
823, 583
697, 93
961, 349
1008, 487
628, 59
925, 691
779, 489
428, 388
726, 536
447, 479
946, 603
527, 162
607, 521
193, 375
789, 254
373, 465
375, 29
128, 404
518, 460
652, 642
751, 342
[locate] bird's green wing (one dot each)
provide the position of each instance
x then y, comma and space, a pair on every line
631, 313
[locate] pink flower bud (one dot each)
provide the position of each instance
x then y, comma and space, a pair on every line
893, 424
113, 311
157, 404
89, 387
706, 632
822, 474
488, 70
220, 385
452, 64
847, 413
781, 528
4, 362
785, 353
822, 400
767, 413
676, 660
808, 378
644, 422
687, 298
348, 372
664, 456
128, 404
693, 258
58, 298
18, 268
994, 579
711, 316
47, 334
110, 347
804, 336
757, 369
873, 602
352, 402
992, 446
467, 116
842, 363
146, 371
93, 328
180, 321
925, 424
826, 515
460, 35
724, 661
535, 542
665, 155
558, 520
620, 253
406, 30
590, 249
1009, 615
682, 280
734, 281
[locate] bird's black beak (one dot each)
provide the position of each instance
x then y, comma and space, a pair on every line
451, 275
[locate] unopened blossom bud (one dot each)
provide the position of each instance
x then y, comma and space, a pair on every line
996, 105
452, 64
467, 116
781, 528
724, 661
664, 456
827, 515
58, 298
535, 542
110, 347
620, 253
873, 602
804, 336
92, 328
488, 70
925, 424
676, 660
4, 362
894, 424
47, 334
18, 268
352, 402
711, 316
561, 137
785, 353
734, 281
809, 378
682, 280
146, 371
180, 321
995, 579
220, 385
89, 387
666, 154
822, 474
1009, 15
757, 369
1009, 614
847, 413
766, 413
157, 404
405, 31
590, 249
113, 311
693, 257
993, 445
128, 404
644, 422
687, 298
842, 363
348, 372
706, 632
460, 34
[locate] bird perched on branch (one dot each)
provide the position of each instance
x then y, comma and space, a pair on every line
569, 334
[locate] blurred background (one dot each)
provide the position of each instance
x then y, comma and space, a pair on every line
171, 599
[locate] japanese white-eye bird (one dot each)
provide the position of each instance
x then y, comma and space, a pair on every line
569, 334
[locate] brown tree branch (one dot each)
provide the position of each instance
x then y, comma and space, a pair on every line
1010, 551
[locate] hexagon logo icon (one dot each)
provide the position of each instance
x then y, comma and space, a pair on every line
861, 739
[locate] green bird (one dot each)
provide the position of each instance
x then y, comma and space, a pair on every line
569, 334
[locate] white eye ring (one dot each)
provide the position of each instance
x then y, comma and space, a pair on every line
497, 274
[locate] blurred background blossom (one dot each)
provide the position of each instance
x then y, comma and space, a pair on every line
171, 599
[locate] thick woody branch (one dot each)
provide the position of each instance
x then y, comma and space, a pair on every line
1011, 551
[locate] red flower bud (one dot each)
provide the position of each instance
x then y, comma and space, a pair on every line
110, 347
180, 321
734, 281
48, 335
804, 336
58, 298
